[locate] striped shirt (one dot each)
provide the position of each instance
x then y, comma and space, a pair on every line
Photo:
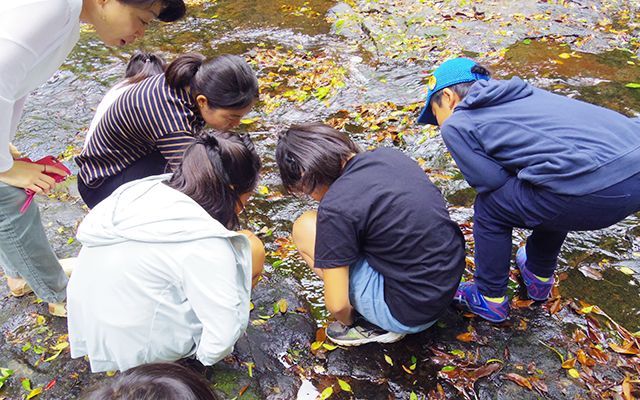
149, 116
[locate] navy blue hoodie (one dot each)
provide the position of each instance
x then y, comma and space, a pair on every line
506, 128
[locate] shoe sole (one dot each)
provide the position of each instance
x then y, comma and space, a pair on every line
386, 338
25, 290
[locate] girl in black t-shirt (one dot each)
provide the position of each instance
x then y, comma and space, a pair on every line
381, 240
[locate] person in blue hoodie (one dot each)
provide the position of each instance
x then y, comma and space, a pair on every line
538, 160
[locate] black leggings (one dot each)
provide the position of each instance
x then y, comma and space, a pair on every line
151, 164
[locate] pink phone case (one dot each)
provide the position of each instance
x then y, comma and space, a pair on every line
48, 160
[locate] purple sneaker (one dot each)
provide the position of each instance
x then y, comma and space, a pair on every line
537, 289
468, 299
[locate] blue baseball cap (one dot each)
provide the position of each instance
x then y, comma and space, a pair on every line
451, 72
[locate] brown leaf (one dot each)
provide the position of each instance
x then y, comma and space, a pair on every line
539, 385
467, 337
524, 303
524, 382
579, 336
486, 370
584, 359
321, 335
570, 363
590, 272
623, 350
557, 305
531, 368
599, 355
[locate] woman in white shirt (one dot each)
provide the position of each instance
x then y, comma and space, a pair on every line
35, 38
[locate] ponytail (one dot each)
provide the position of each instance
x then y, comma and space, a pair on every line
143, 65
182, 71
227, 81
216, 170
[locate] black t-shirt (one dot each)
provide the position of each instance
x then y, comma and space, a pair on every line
384, 208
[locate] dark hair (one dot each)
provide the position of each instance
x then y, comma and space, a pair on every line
157, 381
461, 89
227, 81
311, 155
172, 10
215, 170
143, 65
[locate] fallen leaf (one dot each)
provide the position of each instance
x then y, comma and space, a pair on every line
623, 350
326, 393
388, 360
407, 370
283, 305
627, 271
573, 373
520, 380
590, 273
570, 363
344, 385
34, 393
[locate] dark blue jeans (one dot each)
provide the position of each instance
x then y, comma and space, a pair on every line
151, 164
551, 216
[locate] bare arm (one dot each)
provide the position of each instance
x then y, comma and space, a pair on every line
336, 294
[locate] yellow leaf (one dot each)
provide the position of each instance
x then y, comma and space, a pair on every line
329, 346
262, 189
316, 345
283, 305
258, 322
34, 393
60, 346
564, 55
247, 121
302, 47
326, 393
251, 306
627, 271
344, 385
388, 360
574, 373
111, 373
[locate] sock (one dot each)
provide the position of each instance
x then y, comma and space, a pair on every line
542, 279
494, 299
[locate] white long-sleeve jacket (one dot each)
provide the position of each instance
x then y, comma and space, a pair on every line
157, 279
35, 38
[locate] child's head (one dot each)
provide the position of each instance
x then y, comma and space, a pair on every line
219, 171
224, 88
457, 76
158, 381
143, 65
312, 156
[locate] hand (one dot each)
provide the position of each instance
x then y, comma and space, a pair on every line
31, 176
15, 153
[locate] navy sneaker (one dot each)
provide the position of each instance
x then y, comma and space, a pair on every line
468, 299
537, 289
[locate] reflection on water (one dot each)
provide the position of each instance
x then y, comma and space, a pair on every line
293, 36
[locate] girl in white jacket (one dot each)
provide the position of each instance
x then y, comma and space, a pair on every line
161, 275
